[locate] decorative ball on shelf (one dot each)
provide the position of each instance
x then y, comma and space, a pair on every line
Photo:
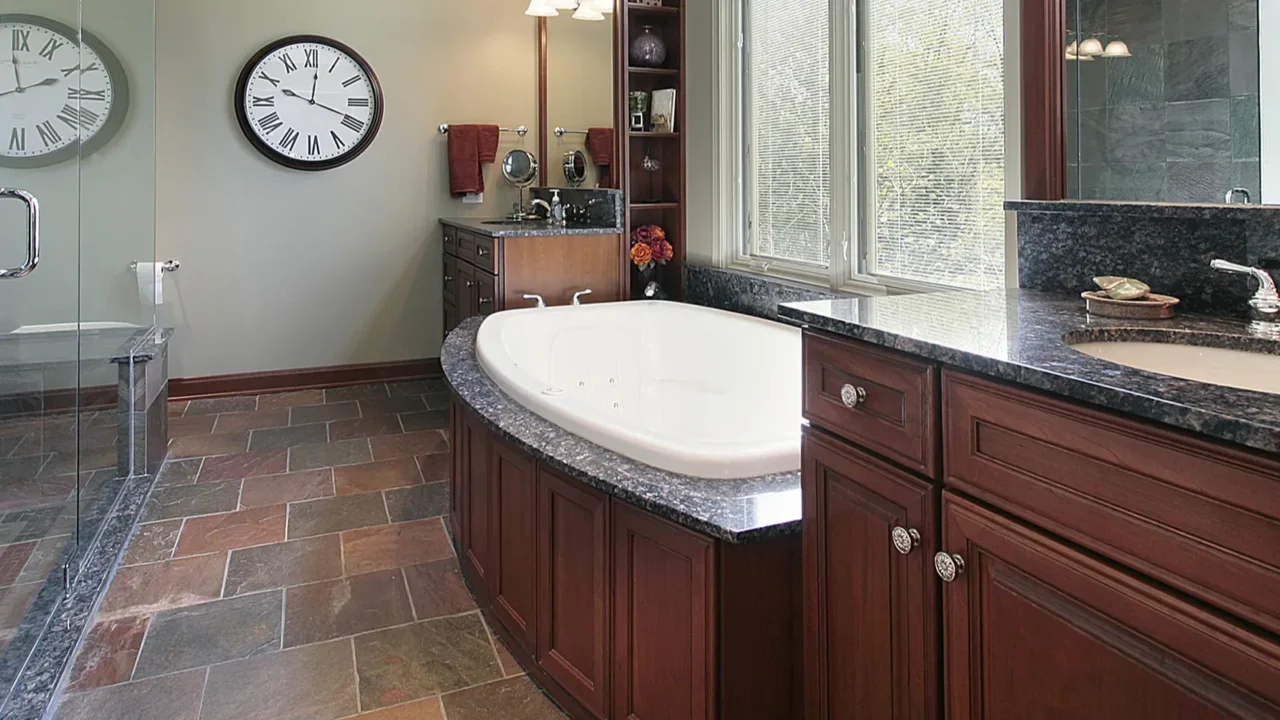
648, 49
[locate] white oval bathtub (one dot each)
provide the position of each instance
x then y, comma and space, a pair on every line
684, 388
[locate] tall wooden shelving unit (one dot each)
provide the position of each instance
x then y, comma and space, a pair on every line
656, 198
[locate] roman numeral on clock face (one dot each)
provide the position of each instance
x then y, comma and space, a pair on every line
270, 123
76, 118
358, 102
289, 140
83, 94
48, 133
274, 82
313, 145
22, 40
351, 81
18, 139
289, 64
269, 101
50, 48
313, 58
354, 124
337, 141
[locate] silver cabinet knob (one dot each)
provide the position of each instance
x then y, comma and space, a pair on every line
949, 567
904, 540
852, 396
448, 278
481, 251
486, 301
470, 284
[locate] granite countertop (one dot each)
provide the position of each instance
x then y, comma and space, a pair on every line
1017, 335
736, 511
529, 229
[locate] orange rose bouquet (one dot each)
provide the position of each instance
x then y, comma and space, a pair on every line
649, 247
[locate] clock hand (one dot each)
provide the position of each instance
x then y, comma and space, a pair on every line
16, 78
293, 94
314, 82
46, 81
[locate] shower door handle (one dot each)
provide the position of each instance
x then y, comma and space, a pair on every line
33, 234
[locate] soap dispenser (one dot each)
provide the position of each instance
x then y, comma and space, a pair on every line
557, 209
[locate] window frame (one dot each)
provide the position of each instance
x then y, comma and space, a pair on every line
852, 224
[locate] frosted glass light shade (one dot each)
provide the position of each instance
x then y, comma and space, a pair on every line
601, 6
562, 4
1117, 49
586, 12
1091, 46
541, 8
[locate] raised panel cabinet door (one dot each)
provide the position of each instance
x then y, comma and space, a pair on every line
664, 619
1037, 629
514, 585
573, 591
457, 471
871, 594
479, 548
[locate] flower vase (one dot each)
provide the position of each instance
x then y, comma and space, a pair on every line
648, 49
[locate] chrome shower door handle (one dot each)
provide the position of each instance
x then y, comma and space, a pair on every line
33, 234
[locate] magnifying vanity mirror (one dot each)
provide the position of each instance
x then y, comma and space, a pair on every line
575, 168
1172, 100
520, 168
578, 95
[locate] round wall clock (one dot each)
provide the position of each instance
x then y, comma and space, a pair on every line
58, 97
309, 103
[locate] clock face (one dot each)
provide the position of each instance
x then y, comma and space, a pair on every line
57, 96
309, 103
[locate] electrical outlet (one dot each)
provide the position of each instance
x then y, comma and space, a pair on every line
473, 198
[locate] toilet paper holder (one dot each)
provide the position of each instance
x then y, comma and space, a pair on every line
167, 266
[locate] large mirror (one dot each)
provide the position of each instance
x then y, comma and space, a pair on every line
1172, 100
579, 96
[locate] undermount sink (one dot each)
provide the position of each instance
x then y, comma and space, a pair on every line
1194, 360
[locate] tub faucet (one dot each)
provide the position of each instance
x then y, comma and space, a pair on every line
577, 297
1265, 304
1239, 192
540, 302
539, 202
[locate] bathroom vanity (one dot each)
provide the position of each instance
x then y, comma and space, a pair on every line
999, 526
623, 590
489, 266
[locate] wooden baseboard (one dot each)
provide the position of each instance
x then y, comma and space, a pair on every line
301, 379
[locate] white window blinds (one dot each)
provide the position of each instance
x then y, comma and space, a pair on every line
935, 111
787, 133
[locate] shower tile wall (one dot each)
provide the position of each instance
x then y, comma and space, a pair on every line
1178, 121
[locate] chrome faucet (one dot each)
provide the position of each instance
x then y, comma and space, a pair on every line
1265, 304
538, 298
1234, 192
577, 297
539, 202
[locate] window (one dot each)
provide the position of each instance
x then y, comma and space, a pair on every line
872, 147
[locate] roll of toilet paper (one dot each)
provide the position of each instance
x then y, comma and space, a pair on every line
151, 282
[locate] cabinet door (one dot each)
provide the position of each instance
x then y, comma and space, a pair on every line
468, 292
573, 608
513, 588
664, 619
871, 607
457, 472
479, 552
1037, 629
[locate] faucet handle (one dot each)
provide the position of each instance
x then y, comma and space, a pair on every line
577, 297
1265, 304
538, 298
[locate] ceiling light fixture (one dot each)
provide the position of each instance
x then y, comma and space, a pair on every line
540, 8
562, 4
1117, 49
587, 12
1090, 47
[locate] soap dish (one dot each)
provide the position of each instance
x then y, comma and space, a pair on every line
1153, 307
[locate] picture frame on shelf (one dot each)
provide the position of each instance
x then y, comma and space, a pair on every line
662, 114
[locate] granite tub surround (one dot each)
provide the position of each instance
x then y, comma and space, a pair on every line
743, 292
1018, 335
1063, 245
735, 511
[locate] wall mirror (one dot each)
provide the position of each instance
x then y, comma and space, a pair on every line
1172, 100
575, 168
578, 92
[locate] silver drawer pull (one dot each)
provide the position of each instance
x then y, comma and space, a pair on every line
949, 567
448, 278
904, 540
481, 251
486, 301
852, 396
470, 284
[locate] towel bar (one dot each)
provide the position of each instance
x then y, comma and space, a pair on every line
521, 131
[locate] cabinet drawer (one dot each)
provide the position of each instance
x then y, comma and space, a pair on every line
1201, 516
879, 399
450, 240
450, 279
484, 254
486, 293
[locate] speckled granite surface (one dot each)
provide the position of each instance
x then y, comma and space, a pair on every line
1063, 245
1018, 336
733, 510
529, 229
745, 293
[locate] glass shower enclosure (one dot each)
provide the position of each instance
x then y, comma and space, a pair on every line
77, 217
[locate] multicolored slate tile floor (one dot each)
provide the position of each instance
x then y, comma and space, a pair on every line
293, 562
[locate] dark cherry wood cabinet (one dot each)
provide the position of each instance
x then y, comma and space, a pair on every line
476, 509
1084, 565
573, 582
663, 630
513, 589
1037, 629
872, 622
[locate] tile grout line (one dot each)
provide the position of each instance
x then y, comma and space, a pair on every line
355, 668
413, 607
204, 690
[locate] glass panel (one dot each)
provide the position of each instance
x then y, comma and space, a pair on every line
40, 426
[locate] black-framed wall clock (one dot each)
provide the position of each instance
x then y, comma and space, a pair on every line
63, 92
309, 102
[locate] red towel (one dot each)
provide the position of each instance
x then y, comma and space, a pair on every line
469, 147
600, 143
